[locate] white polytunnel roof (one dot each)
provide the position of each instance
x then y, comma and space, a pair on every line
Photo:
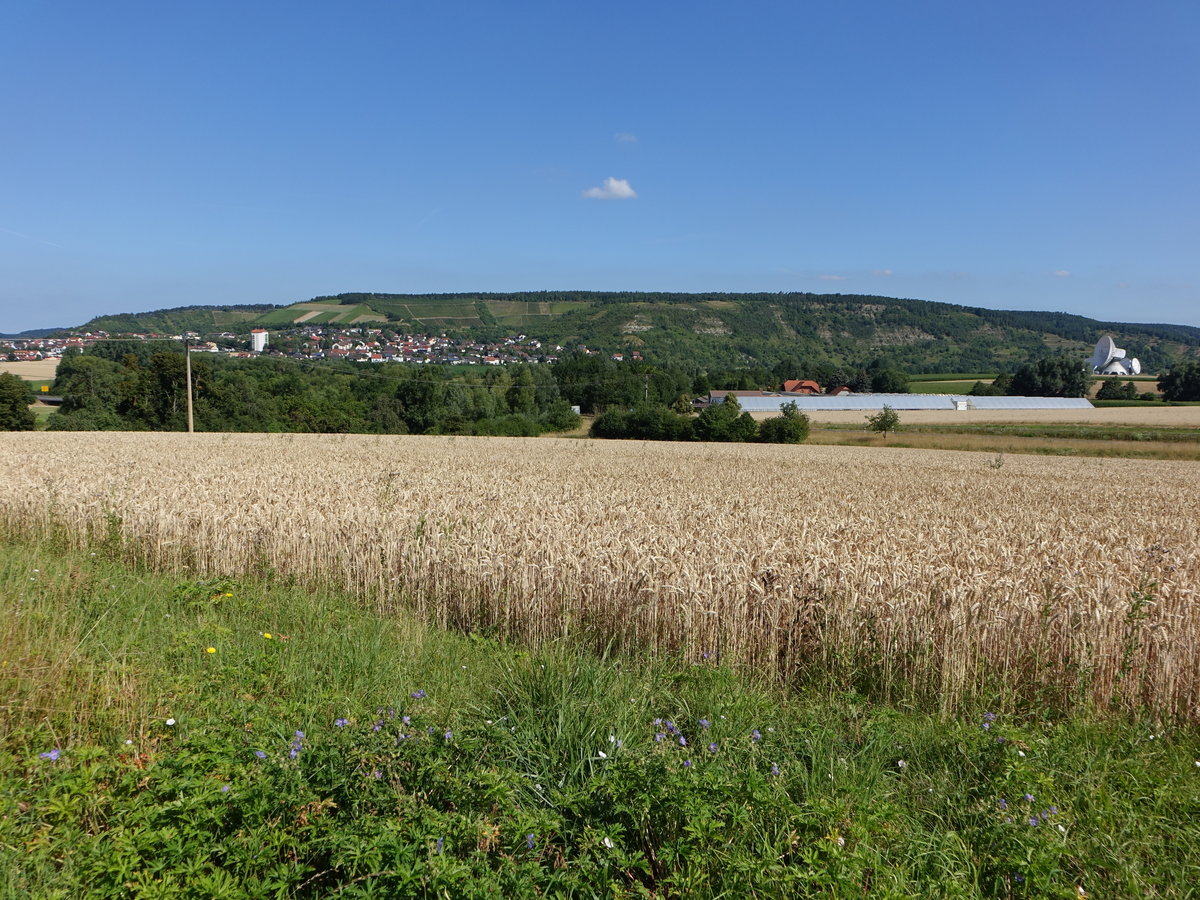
901, 402
1030, 402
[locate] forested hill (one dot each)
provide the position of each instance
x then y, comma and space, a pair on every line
201, 319
714, 329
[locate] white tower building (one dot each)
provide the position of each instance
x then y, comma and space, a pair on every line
258, 339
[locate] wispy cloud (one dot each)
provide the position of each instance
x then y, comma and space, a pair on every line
832, 277
611, 189
625, 137
429, 215
1062, 273
882, 273
30, 238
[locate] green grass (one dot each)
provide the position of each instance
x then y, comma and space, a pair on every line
1139, 433
1114, 441
952, 376
520, 774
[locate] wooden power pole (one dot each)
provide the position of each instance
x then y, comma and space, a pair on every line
187, 352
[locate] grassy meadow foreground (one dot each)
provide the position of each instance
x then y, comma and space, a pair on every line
165, 735
933, 576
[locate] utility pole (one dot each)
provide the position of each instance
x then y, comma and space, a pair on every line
187, 352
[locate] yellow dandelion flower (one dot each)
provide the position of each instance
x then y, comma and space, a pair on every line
267, 635
210, 649
229, 595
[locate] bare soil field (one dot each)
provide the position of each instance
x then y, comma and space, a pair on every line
943, 571
33, 370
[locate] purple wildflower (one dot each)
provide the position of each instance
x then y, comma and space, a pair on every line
260, 754
658, 737
1033, 822
299, 735
1003, 804
224, 789
1029, 798
407, 720
529, 841
419, 695
774, 769
439, 844
341, 723
377, 774
51, 755
377, 726
682, 741
756, 735
704, 723
687, 763
712, 748
449, 735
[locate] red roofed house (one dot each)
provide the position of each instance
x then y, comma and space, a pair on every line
801, 386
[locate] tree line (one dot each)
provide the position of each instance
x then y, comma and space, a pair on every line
141, 385
724, 422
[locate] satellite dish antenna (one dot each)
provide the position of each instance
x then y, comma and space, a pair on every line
1135, 366
1104, 352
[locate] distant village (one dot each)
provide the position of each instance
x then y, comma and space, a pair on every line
360, 345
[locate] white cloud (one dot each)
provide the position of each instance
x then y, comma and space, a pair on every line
625, 137
1061, 273
882, 272
612, 189
832, 277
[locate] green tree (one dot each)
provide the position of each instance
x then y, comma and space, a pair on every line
1054, 376
887, 419
87, 382
15, 397
1112, 389
522, 395
647, 422
1181, 382
791, 427
979, 389
889, 381
559, 416
725, 421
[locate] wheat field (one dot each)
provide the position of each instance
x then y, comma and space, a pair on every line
937, 574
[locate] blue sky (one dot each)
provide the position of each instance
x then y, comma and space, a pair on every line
1021, 155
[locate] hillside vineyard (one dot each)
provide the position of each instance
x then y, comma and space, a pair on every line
925, 573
